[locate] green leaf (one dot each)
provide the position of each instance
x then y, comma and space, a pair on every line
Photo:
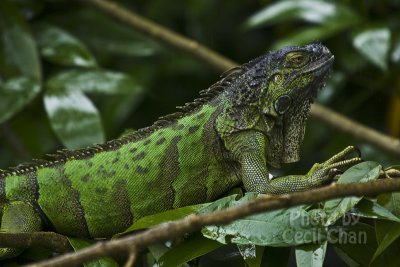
313, 11
308, 34
94, 81
58, 46
166, 216
362, 172
370, 209
312, 255
19, 62
391, 201
74, 119
16, 93
285, 227
191, 248
374, 44
354, 244
395, 55
78, 244
105, 35
387, 232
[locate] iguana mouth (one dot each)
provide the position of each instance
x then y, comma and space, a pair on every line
321, 67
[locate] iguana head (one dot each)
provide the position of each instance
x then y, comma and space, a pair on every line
295, 74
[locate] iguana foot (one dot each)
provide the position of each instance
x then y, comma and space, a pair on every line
325, 172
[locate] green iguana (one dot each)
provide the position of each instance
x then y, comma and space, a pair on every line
254, 116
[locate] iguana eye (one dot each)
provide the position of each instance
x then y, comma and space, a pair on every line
282, 104
297, 59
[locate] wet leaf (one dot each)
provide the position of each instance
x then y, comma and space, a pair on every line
74, 119
94, 81
60, 47
314, 11
374, 44
16, 93
19, 63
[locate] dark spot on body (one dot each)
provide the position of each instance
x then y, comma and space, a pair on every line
148, 141
126, 166
85, 178
89, 163
160, 141
142, 170
133, 150
200, 116
193, 129
101, 190
115, 160
177, 126
140, 156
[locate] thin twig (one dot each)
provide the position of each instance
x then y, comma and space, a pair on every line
162, 34
194, 222
131, 259
220, 63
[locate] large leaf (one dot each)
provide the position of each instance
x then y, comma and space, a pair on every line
374, 44
391, 201
285, 227
60, 47
354, 244
314, 11
105, 35
78, 244
192, 248
74, 118
386, 232
370, 209
311, 255
20, 73
363, 172
169, 215
15, 93
93, 81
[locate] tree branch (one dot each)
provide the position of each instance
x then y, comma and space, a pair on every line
50, 240
221, 64
195, 222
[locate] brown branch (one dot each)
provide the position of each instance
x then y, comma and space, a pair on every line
50, 240
163, 35
194, 222
355, 129
221, 64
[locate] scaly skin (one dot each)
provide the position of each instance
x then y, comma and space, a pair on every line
253, 116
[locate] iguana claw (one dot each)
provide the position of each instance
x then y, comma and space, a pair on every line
327, 170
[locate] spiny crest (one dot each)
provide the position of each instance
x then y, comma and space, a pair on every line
63, 155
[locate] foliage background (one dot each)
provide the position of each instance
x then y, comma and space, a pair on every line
71, 76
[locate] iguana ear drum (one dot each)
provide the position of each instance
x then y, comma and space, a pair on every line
282, 104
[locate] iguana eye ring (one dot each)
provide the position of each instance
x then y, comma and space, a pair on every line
282, 104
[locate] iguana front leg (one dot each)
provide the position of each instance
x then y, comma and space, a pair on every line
249, 149
18, 217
